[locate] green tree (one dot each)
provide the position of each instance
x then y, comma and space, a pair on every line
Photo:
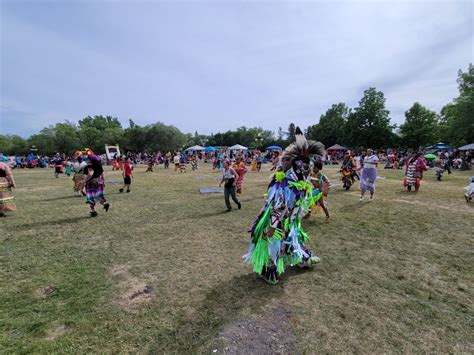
420, 127
331, 126
97, 131
5, 144
42, 142
369, 124
13, 144
281, 134
164, 138
66, 139
291, 132
249, 137
458, 116
134, 138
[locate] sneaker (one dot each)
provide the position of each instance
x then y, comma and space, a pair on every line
361, 199
314, 259
239, 206
93, 214
120, 190
106, 207
128, 191
467, 198
228, 210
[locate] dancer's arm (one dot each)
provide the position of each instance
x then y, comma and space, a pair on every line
10, 176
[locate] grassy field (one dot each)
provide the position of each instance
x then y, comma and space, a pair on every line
161, 272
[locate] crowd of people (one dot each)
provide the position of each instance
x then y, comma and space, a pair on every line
298, 186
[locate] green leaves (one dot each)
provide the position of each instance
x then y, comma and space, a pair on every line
330, 129
420, 127
459, 115
369, 125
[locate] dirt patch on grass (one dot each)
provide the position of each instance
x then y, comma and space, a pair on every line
270, 333
56, 332
133, 291
45, 292
136, 293
119, 270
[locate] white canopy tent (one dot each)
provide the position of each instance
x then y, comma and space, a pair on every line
195, 148
467, 147
237, 147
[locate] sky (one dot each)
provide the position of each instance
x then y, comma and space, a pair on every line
211, 66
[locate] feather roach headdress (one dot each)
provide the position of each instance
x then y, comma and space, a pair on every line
302, 150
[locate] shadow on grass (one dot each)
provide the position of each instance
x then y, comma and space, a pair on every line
412, 192
56, 222
354, 206
61, 198
223, 304
210, 214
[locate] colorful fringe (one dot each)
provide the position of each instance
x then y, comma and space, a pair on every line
288, 201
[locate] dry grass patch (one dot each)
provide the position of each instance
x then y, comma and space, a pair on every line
56, 332
269, 333
133, 291
45, 292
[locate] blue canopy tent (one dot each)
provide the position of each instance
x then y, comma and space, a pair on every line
274, 147
210, 149
439, 146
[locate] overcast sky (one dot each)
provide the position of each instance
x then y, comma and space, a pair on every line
216, 65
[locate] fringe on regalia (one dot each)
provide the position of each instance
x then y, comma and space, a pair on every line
290, 197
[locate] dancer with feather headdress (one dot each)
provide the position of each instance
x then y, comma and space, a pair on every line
277, 238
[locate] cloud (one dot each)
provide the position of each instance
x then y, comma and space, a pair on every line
211, 66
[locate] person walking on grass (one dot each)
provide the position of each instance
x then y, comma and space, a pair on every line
229, 178
58, 165
127, 175
318, 180
414, 172
177, 161
368, 174
241, 169
95, 185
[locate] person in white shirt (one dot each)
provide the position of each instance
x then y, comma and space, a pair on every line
369, 174
176, 160
229, 178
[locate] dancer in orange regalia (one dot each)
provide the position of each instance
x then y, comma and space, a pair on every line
241, 169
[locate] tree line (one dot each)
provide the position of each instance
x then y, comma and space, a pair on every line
367, 125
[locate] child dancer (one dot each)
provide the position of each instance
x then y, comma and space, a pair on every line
318, 179
241, 170
68, 169
127, 175
438, 168
151, 162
